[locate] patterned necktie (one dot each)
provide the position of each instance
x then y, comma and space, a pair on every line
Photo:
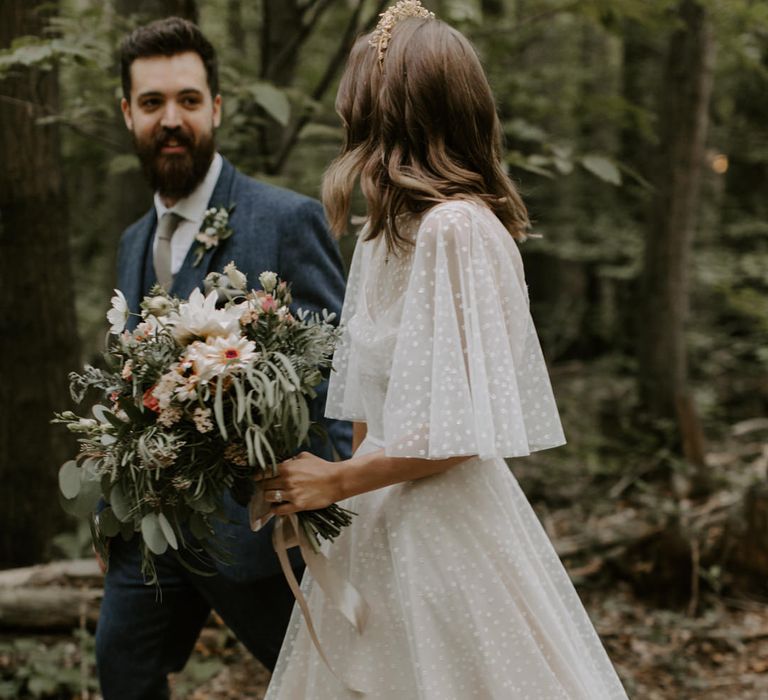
162, 258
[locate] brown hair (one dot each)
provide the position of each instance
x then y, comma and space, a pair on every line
167, 37
421, 128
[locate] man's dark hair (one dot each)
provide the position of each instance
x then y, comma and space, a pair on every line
167, 37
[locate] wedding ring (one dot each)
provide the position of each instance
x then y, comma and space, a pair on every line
278, 496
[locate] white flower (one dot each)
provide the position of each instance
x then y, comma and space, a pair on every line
236, 278
118, 314
209, 241
202, 418
165, 387
219, 354
146, 328
169, 416
188, 390
268, 281
199, 318
158, 305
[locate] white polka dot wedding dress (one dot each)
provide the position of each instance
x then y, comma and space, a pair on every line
467, 598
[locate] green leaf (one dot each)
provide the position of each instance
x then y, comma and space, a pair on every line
9, 690
289, 369
198, 526
603, 168
123, 163
167, 529
42, 685
119, 502
153, 534
218, 409
317, 131
109, 525
69, 479
274, 102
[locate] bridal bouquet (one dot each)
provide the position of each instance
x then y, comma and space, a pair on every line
198, 399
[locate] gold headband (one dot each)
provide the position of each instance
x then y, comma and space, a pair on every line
403, 9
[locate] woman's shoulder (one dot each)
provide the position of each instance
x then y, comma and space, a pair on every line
461, 217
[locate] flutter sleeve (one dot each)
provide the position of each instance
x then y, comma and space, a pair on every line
468, 376
344, 400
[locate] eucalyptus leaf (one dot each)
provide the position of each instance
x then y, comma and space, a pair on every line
69, 479
218, 410
153, 534
119, 502
168, 531
109, 525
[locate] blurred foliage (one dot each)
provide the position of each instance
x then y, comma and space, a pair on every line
37, 668
576, 83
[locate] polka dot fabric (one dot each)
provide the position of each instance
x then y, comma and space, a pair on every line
467, 596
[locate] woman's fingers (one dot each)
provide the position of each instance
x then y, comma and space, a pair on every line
283, 509
276, 495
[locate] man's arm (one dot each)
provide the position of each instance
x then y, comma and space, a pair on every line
310, 261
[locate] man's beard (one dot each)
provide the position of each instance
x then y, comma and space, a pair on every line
175, 175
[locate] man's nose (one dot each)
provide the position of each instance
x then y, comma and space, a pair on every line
171, 115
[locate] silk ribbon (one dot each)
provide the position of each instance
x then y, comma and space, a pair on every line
341, 593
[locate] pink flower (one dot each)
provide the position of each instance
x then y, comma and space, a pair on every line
268, 303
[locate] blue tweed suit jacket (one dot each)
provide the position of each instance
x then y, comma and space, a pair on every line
274, 229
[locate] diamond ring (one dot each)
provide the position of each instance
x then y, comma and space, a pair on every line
278, 496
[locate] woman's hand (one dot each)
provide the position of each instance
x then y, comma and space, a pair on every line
304, 482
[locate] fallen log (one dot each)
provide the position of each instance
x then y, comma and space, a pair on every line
74, 571
49, 607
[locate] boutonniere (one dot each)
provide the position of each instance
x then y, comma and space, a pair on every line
214, 229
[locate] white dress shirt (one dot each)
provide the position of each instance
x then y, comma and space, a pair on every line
192, 209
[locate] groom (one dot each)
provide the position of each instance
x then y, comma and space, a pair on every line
172, 106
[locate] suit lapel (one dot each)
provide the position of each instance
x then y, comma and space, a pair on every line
190, 276
133, 256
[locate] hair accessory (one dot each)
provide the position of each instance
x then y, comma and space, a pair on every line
403, 9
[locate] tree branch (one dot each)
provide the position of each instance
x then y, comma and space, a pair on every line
300, 38
351, 30
44, 111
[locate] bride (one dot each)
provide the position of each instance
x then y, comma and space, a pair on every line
441, 371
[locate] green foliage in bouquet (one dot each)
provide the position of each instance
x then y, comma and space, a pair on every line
198, 398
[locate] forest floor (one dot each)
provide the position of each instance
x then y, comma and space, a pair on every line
675, 630
660, 655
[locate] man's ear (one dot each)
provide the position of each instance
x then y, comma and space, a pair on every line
216, 111
125, 106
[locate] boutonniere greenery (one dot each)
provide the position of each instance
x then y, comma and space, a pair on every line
214, 229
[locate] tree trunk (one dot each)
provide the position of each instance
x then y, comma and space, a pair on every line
38, 335
282, 21
493, 9
235, 27
683, 117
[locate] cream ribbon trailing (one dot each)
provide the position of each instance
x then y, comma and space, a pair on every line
341, 593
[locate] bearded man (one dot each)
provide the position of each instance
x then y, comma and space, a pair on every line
172, 106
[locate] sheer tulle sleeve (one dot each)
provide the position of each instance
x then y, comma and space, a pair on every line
468, 376
344, 400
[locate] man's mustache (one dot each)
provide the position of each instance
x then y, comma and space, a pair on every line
167, 136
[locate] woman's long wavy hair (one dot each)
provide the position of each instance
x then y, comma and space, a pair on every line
420, 128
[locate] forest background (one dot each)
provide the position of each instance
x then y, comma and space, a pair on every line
637, 131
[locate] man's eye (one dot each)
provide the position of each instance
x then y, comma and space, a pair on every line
191, 101
150, 104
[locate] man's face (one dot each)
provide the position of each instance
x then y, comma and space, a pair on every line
172, 116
